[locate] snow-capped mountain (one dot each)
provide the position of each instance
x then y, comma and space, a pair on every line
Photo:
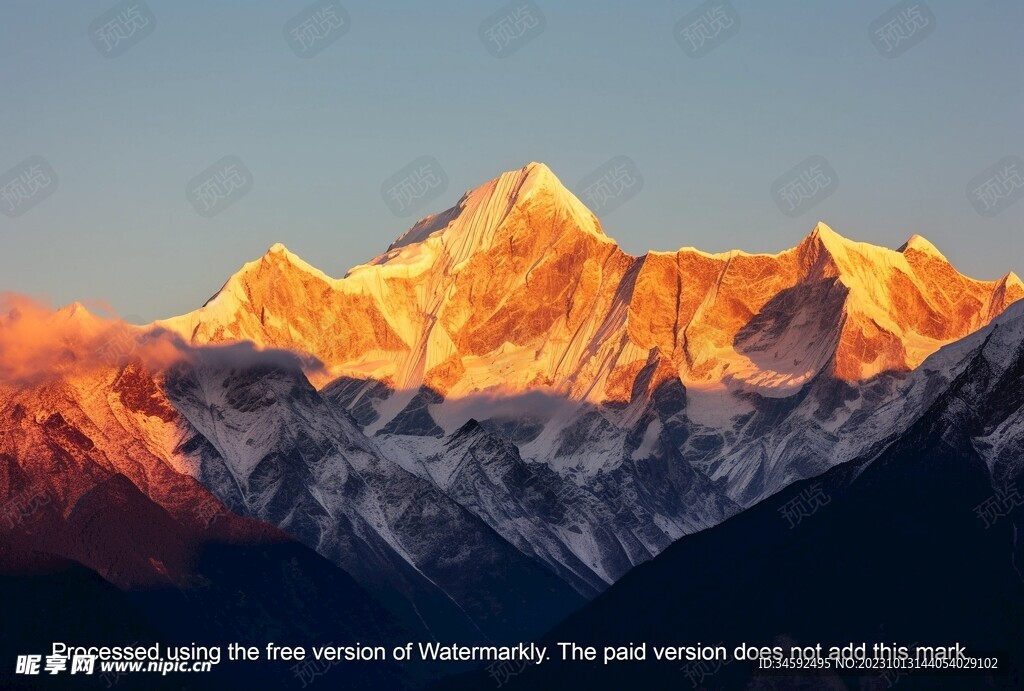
105, 533
270, 446
516, 288
504, 413
191, 448
916, 544
515, 309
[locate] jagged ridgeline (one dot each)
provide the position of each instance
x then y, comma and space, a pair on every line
481, 429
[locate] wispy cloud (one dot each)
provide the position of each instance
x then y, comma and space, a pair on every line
38, 342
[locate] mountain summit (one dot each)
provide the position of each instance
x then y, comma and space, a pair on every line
517, 288
513, 413
482, 210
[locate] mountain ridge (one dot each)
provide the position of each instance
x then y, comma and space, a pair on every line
618, 402
517, 288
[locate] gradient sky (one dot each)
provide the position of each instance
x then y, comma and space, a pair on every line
709, 135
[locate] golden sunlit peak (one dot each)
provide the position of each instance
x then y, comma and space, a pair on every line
827, 238
279, 251
825, 233
1012, 279
538, 167
920, 244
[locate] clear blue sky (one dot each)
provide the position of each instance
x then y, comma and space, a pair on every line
710, 135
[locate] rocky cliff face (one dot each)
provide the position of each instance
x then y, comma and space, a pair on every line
496, 418
136, 473
750, 366
516, 289
917, 543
